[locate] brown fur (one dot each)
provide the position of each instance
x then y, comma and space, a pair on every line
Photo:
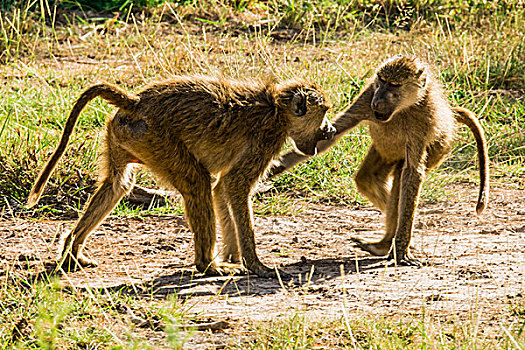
185, 130
412, 128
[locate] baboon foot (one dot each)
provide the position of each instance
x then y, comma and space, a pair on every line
73, 263
221, 269
404, 259
375, 248
232, 258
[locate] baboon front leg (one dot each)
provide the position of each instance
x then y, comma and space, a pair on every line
195, 187
383, 247
117, 183
411, 180
238, 195
230, 251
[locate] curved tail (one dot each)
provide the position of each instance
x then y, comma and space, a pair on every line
113, 95
468, 118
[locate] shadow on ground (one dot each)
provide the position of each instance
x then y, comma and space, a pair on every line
184, 282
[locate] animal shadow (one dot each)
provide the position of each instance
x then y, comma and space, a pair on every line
184, 282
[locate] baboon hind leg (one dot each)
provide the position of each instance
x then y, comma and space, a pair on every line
373, 177
384, 246
117, 180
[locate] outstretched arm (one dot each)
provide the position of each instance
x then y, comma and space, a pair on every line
345, 121
293, 157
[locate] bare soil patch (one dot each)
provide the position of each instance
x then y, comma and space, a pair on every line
474, 265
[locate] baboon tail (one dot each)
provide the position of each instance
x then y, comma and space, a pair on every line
108, 92
468, 118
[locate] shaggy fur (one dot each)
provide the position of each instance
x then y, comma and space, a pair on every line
185, 130
412, 127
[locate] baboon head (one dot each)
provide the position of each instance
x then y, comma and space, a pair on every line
306, 106
399, 83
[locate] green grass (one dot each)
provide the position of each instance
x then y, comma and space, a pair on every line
36, 98
477, 50
49, 56
45, 315
381, 332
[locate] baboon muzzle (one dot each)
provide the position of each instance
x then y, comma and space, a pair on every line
380, 106
382, 116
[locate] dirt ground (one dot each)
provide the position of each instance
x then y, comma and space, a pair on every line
474, 265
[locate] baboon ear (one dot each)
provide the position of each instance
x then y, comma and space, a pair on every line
298, 104
421, 76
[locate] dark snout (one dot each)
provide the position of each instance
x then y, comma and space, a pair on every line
382, 111
327, 132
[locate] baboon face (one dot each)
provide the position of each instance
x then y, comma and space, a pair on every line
308, 119
398, 84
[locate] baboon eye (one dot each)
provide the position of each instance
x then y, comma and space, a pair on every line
381, 80
395, 84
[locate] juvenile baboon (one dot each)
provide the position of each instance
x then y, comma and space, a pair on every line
412, 127
185, 130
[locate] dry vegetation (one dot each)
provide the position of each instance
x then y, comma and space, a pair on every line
50, 51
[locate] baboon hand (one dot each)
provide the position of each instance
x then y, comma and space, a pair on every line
276, 169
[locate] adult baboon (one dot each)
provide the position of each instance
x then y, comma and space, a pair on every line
185, 130
412, 128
